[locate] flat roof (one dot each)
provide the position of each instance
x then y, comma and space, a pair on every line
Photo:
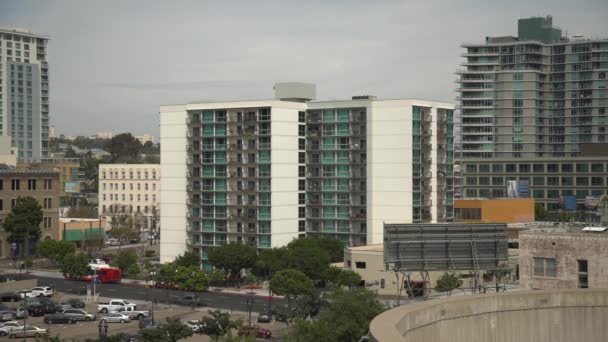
369, 248
22, 32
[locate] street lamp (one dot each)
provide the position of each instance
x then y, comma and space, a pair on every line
250, 300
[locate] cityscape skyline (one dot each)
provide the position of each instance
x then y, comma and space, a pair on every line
341, 58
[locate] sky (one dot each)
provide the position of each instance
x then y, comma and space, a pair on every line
114, 62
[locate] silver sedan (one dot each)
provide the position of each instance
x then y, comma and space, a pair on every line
117, 317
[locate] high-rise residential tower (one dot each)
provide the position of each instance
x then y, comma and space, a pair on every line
266, 172
24, 92
535, 105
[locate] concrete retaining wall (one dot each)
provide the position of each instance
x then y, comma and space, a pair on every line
519, 316
12, 286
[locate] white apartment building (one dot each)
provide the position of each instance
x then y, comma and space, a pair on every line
144, 138
266, 172
24, 92
133, 190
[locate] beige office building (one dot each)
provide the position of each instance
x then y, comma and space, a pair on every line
43, 185
133, 190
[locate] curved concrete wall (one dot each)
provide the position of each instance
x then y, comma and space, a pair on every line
519, 316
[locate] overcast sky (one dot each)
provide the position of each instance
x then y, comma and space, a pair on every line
112, 63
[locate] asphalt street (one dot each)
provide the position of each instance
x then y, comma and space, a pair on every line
212, 299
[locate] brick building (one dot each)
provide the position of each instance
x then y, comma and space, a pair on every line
551, 258
41, 184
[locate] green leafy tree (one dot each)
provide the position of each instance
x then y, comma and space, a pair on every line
348, 278
56, 250
332, 247
345, 316
291, 284
171, 331
166, 273
540, 213
22, 223
219, 324
125, 260
124, 148
251, 279
235, 338
190, 258
75, 265
270, 261
217, 278
310, 259
192, 278
133, 270
448, 282
233, 258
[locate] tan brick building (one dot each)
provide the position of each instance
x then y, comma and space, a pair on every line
561, 259
41, 184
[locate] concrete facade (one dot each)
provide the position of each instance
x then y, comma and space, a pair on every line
133, 190
551, 259
518, 316
44, 186
24, 92
331, 168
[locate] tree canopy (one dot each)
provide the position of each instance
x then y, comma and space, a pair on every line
271, 260
219, 324
191, 278
56, 250
190, 258
82, 212
291, 283
171, 331
233, 257
124, 148
345, 316
23, 221
75, 265
448, 282
125, 259
332, 247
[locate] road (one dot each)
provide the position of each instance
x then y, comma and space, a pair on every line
212, 299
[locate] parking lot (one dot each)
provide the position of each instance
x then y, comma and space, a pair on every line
82, 330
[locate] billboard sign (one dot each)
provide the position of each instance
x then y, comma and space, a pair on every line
567, 202
592, 202
523, 188
72, 187
444, 246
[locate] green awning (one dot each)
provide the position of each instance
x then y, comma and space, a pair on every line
84, 234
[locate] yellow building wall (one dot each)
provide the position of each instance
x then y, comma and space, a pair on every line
515, 210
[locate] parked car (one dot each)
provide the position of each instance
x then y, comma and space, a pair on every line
194, 324
190, 300
10, 297
50, 308
29, 331
19, 312
58, 318
264, 318
32, 302
80, 315
72, 303
136, 314
35, 310
116, 317
43, 291
7, 327
113, 305
254, 329
26, 294
7, 316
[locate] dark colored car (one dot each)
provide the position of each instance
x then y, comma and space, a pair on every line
10, 297
58, 318
50, 308
190, 300
76, 303
254, 329
134, 338
35, 310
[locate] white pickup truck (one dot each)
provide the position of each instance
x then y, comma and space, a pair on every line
114, 305
133, 313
